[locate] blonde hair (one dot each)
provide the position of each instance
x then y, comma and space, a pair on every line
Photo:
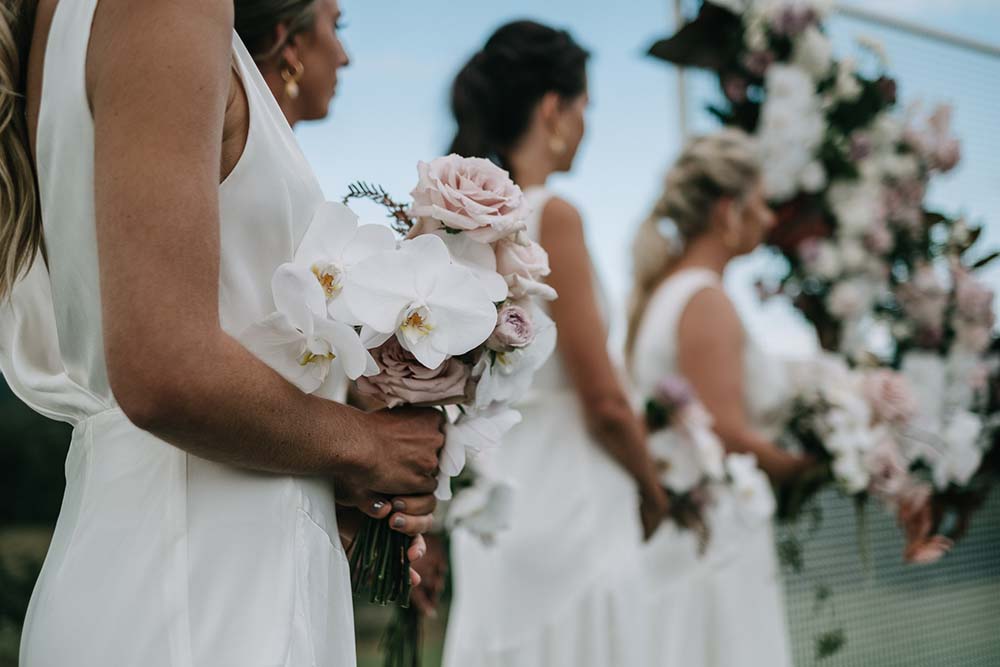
20, 211
723, 164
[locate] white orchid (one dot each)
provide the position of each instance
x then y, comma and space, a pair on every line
751, 489
435, 308
471, 435
333, 244
479, 258
506, 377
961, 456
299, 340
484, 509
680, 470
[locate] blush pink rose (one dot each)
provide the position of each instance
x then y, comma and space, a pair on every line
889, 396
514, 329
470, 195
403, 380
924, 300
523, 264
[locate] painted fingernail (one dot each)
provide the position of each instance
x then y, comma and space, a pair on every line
398, 505
398, 522
378, 505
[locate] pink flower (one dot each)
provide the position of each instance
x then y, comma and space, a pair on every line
924, 300
514, 329
861, 145
524, 264
403, 380
889, 396
889, 475
973, 299
879, 239
673, 392
469, 195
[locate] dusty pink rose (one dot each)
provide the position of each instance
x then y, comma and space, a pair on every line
523, 264
469, 195
924, 300
514, 329
889, 396
403, 380
889, 475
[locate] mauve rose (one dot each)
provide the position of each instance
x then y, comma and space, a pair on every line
469, 195
514, 329
673, 392
403, 380
521, 262
889, 396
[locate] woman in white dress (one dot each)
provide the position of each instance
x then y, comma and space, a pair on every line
560, 588
724, 608
198, 525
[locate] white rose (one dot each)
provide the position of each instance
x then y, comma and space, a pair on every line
848, 299
961, 457
813, 52
828, 263
853, 254
813, 177
857, 205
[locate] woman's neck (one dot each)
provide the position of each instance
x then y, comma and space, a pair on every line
531, 164
704, 253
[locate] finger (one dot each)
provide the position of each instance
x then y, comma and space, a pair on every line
376, 507
410, 524
415, 504
418, 547
415, 580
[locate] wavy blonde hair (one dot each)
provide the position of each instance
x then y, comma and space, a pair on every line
723, 164
20, 211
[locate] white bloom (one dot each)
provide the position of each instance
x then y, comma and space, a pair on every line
813, 177
827, 263
926, 374
299, 340
506, 377
750, 487
483, 509
849, 299
333, 244
468, 437
790, 131
696, 424
847, 87
680, 470
849, 469
479, 258
961, 456
853, 254
435, 308
813, 52
754, 35
856, 204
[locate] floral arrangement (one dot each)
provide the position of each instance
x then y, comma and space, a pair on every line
847, 172
693, 465
444, 315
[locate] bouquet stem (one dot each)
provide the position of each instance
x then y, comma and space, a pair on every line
401, 642
379, 564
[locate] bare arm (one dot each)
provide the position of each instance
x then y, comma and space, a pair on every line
158, 79
710, 356
583, 346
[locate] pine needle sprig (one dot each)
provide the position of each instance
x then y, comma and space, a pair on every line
402, 223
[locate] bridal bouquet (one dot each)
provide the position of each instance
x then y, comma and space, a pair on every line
693, 464
440, 310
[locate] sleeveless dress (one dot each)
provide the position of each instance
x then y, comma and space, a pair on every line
724, 608
160, 558
560, 587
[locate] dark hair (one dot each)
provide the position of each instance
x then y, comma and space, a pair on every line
496, 92
256, 21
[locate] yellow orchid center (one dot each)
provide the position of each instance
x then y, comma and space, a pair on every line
329, 279
417, 324
310, 358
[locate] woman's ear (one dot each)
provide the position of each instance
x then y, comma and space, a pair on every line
549, 108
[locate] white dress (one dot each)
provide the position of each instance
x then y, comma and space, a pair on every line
560, 588
724, 608
160, 558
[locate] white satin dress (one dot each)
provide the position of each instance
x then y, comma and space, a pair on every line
160, 558
724, 608
562, 586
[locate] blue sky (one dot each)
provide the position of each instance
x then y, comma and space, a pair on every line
391, 111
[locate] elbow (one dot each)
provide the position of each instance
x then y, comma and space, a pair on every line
151, 397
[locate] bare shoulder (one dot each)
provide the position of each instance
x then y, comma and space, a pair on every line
560, 214
711, 317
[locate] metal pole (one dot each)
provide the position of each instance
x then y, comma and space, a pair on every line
682, 110
913, 28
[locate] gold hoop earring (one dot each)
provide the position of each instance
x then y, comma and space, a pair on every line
557, 144
291, 76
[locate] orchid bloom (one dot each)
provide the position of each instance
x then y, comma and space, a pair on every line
434, 307
299, 340
468, 437
333, 244
507, 376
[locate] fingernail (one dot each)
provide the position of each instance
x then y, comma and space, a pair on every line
420, 554
398, 505
378, 505
398, 522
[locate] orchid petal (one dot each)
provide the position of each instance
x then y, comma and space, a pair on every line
369, 240
332, 228
480, 259
277, 343
298, 296
346, 344
379, 289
